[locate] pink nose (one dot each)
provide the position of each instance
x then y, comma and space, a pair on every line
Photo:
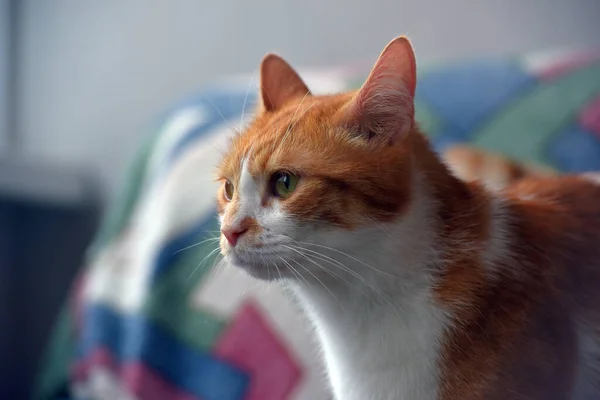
232, 235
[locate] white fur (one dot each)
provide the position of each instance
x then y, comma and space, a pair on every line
249, 193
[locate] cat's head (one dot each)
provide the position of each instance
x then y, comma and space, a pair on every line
312, 175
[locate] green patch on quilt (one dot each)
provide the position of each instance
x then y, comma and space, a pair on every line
170, 302
525, 126
56, 359
427, 119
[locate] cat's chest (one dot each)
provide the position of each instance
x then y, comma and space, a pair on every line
385, 354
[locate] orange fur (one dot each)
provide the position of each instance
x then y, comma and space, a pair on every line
515, 315
517, 336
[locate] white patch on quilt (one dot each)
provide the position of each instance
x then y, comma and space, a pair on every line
101, 385
179, 125
540, 61
325, 82
224, 292
320, 81
120, 275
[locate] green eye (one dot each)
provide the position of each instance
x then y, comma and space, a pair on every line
284, 184
229, 189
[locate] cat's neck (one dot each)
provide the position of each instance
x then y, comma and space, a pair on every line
383, 323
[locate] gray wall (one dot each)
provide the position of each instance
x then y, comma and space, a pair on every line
93, 73
4, 45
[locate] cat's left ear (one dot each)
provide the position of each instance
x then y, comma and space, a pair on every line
279, 83
383, 108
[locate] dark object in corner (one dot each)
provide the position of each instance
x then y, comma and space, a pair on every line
48, 216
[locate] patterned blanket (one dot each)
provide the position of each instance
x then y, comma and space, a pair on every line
154, 315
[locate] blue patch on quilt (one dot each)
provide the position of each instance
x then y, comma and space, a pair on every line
136, 338
465, 95
576, 150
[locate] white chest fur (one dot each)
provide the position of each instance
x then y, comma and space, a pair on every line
375, 349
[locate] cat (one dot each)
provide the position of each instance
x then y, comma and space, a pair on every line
420, 285
495, 170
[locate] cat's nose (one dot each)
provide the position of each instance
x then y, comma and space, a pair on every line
232, 235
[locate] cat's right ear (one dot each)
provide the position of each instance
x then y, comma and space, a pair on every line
383, 108
279, 83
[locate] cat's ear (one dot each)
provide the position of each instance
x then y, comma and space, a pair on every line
279, 83
383, 109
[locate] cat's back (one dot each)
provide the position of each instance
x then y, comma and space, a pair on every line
557, 239
556, 221
567, 201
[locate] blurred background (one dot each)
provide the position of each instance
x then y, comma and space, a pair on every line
82, 80
88, 76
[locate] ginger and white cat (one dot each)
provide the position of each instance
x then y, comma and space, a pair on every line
420, 285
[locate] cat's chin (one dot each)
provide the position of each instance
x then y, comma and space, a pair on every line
255, 270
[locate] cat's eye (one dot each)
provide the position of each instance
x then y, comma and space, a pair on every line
284, 184
229, 189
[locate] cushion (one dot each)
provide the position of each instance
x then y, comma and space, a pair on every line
156, 315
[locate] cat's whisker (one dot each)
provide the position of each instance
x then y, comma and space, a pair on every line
301, 115
245, 100
287, 131
316, 277
319, 280
293, 270
277, 268
233, 128
296, 111
196, 244
299, 250
302, 251
351, 257
203, 261
217, 265
263, 91
331, 261
362, 279
267, 267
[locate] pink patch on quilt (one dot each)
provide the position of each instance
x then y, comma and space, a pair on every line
250, 343
590, 117
147, 385
100, 357
136, 378
562, 67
